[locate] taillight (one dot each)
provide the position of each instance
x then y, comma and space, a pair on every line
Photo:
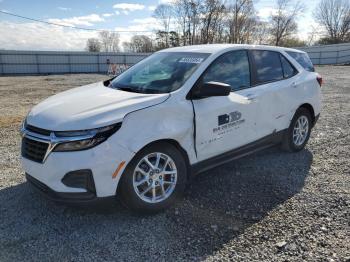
319, 80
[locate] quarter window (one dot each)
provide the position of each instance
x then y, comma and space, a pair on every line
231, 68
303, 59
268, 66
288, 69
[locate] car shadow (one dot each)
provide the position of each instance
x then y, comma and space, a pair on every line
218, 206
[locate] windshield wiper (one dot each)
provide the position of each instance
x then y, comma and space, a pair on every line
128, 89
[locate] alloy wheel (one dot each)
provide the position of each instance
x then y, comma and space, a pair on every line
300, 130
154, 178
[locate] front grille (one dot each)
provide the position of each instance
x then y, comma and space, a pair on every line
34, 150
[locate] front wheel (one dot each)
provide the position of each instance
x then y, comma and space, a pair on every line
154, 179
298, 132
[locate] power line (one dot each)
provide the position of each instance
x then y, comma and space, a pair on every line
70, 26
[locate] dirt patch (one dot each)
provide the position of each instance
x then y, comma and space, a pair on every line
7, 121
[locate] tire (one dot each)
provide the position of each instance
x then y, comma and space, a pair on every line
138, 171
290, 142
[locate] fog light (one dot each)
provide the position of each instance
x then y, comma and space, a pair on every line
80, 179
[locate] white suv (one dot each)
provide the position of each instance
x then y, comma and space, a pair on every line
143, 134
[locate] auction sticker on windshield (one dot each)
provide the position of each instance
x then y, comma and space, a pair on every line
192, 60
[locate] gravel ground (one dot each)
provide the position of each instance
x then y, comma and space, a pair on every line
270, 206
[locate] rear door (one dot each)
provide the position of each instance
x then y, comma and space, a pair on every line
273, 80
226, 123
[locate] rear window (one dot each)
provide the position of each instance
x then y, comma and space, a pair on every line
268, 66
303, 59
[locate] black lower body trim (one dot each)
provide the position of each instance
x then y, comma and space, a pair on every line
265, 142
315, 120
61, 196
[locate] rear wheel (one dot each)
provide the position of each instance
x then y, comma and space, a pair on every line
154, 179
298, 132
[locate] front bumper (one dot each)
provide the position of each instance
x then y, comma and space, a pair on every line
102, 160
63, 197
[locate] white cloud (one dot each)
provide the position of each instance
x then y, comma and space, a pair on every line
129, 7
305, 31
152, 7
144, 26
265, 12
108, 15
87, 20
36, 36
148, 21
165, 1
64, 8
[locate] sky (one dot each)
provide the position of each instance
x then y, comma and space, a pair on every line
124, 15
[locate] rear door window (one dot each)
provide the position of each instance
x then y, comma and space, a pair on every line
268, 66
303, 59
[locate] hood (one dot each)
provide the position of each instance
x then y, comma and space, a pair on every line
89, 107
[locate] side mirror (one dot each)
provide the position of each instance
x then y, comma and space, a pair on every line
209, 89
107, 82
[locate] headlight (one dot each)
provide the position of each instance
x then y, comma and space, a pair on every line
85, 139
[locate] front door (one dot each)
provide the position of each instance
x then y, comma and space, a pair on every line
226, 123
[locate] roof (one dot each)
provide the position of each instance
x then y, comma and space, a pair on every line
214, 48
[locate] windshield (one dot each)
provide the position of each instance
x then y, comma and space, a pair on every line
159, 73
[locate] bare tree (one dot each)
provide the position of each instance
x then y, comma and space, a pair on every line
334, 17
241, 21
260, 33
181, 18
109, 41
164, 13
93, 45
283, 24
162, 40
174, 39
187, 14
139, 44
232, 21
194, 12
312, 35
211, 15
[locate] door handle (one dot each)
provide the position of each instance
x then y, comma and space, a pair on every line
294, 85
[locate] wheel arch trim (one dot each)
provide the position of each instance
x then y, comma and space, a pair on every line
172, 142
310, 108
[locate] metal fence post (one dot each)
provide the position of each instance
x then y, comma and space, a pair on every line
2, 65
98, 63
320, 58
37, 63
336, 59
69, 63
